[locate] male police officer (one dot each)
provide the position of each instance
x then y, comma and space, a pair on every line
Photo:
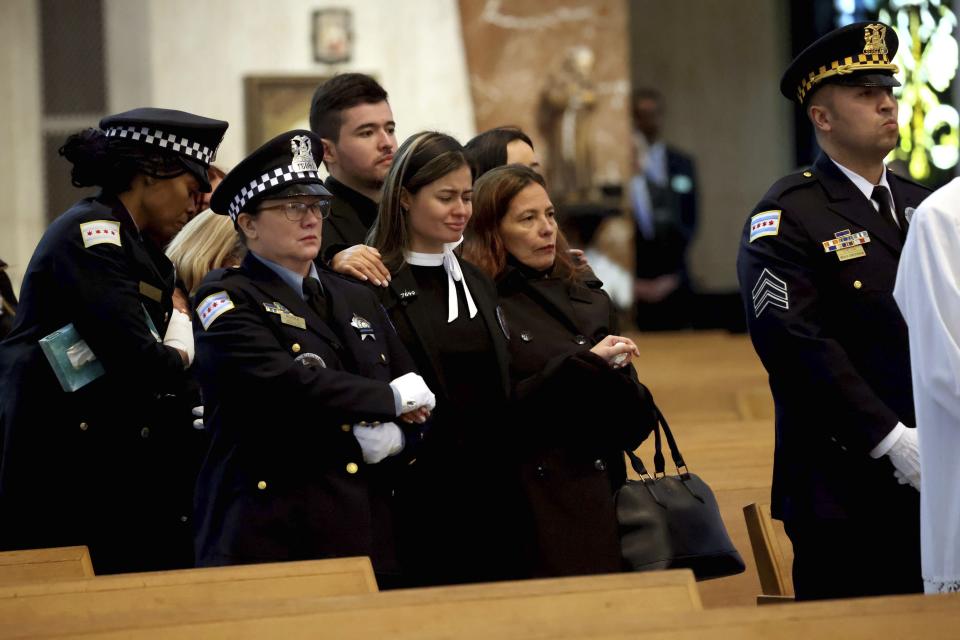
817, 264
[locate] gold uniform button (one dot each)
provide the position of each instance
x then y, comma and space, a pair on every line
84, 426
296, 347
352, 468
376, 423
145, 432
262, 485
345, 428
807, 174
383, 358
857, 284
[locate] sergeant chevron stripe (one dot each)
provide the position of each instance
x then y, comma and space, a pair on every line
769, 290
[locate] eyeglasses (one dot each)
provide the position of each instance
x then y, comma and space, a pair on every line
295, 211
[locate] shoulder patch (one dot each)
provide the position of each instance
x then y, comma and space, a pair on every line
100, 232
765, 223
212, 307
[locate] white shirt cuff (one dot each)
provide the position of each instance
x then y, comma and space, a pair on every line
887, 443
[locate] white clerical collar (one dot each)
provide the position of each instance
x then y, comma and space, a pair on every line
861, 183
448, 260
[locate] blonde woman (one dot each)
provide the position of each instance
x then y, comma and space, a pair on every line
206, 243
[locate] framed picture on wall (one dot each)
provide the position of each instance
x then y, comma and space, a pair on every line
332, 35
275, 104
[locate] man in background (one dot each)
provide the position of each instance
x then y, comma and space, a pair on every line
664, 198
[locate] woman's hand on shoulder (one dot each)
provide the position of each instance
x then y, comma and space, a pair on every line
363, 263
616, 350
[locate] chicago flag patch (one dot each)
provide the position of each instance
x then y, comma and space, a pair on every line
765, 223
100, 232
212, 307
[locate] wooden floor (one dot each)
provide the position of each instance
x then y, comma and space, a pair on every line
713, 391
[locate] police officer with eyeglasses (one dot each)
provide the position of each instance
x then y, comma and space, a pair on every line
310, 397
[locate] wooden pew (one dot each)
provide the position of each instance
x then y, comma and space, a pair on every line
915, 616
32, 609
43, 565
547, 607
774, 560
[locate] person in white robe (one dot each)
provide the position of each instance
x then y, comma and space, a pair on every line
928, 294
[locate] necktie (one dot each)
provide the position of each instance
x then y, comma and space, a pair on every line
881, 196
315, 298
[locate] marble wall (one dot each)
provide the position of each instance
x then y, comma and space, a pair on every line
513, 48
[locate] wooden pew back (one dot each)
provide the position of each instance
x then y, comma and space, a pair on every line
547, 607
43, 565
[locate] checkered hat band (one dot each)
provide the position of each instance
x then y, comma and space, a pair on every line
840, 67
271, 179
164, 140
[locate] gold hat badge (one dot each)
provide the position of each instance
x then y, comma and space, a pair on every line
875, 40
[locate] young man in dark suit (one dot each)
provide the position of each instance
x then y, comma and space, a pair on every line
352, 117
817, 265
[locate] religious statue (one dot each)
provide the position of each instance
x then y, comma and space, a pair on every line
566, 104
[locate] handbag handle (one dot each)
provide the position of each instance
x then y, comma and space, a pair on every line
659, 465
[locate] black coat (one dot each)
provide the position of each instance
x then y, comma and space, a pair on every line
459, 504
834, 343
351, 215
285, 477
574, 416
104, 465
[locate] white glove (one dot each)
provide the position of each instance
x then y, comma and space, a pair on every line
198, 418
379, 442
905, 456
414, 393
180, 334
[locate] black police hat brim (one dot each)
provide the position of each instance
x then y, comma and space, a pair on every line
291, 191
198, 171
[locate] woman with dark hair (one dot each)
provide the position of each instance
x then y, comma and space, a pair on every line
90, 374
500, 146
457, 508
580, 403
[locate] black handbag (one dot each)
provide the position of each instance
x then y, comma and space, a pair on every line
673, 522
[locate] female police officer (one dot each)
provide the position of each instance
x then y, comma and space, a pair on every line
88, 466
302, 375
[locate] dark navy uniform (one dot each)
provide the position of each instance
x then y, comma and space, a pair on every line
103, 466
284, 381
570, 452
832, 338
86, 467
285, 477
